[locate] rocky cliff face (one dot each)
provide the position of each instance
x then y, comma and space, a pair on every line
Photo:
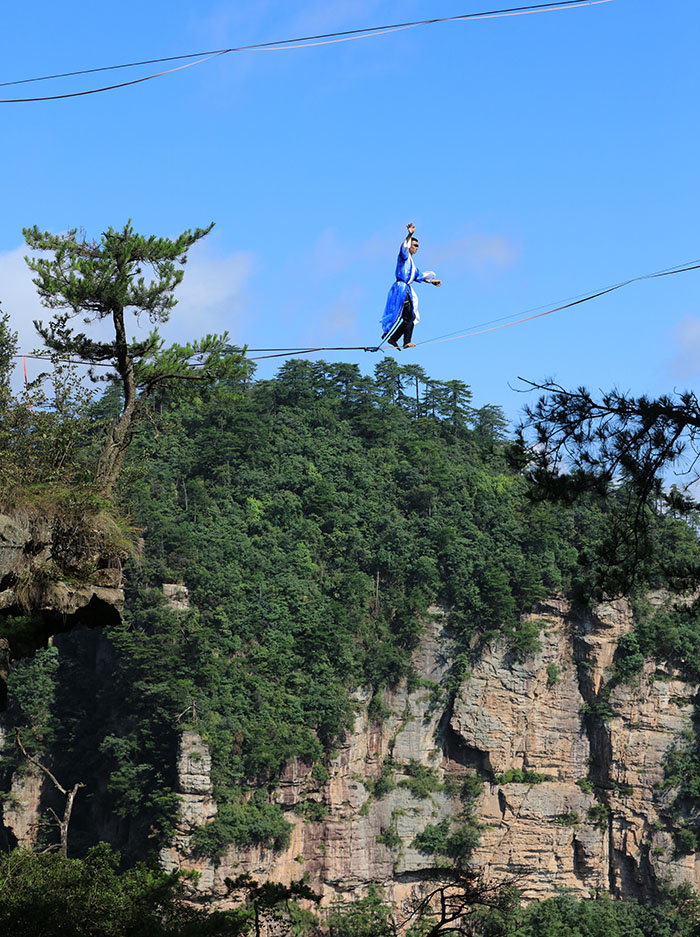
586, 812
55, 573
40, 582
567, 800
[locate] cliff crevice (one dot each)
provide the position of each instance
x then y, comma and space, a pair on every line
571, 766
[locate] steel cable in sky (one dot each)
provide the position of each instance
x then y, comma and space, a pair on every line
581, 298
584, 298
279, 46
290, 351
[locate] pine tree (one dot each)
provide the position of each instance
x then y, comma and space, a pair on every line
102, 280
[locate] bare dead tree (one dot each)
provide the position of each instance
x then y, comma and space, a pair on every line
455, 901
61, 822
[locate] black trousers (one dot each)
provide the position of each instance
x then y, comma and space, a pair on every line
406, 327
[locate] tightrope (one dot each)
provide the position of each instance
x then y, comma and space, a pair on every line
681, 268
289, 351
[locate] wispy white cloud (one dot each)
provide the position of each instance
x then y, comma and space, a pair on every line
482, 254
686, 336
331, 15
339, 323
19, 297
225, 22
211, 298
241, 22
250, 21
333, 251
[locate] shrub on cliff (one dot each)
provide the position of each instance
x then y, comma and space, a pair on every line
48, 896
678, 914
366, 917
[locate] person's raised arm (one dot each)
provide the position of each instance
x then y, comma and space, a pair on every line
411, 228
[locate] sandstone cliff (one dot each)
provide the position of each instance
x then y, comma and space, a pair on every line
597, 818
591, 814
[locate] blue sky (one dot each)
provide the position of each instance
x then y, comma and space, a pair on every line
540, 157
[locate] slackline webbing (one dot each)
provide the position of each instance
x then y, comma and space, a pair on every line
289, 351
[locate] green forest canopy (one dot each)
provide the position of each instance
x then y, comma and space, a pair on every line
314, 518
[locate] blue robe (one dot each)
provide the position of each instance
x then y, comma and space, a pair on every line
406, 273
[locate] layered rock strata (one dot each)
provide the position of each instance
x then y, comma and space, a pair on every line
568, 801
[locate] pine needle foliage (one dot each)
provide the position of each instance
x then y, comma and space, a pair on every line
103, 280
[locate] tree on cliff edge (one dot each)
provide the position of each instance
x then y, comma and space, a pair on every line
641, 455
102, 280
